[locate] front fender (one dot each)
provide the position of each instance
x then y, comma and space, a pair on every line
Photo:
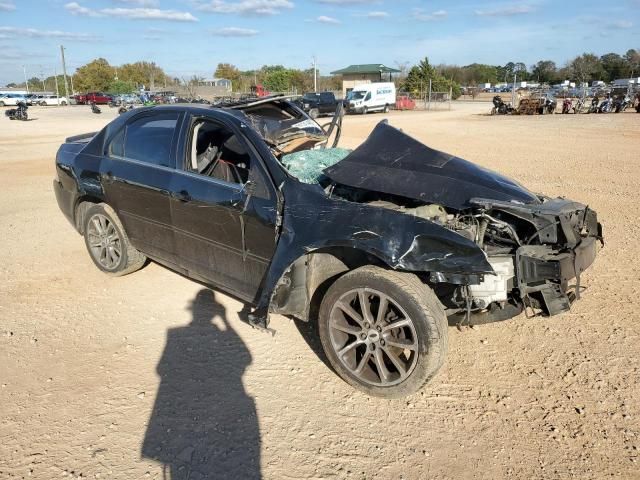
313, 221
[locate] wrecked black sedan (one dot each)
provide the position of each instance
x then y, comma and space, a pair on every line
383, 246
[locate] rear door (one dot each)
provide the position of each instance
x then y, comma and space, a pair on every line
138, 166
223, 207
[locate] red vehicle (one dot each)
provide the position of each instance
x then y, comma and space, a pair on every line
93, 97
259, 90
404, 102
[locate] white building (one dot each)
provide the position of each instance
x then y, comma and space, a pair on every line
216, 82
624, 82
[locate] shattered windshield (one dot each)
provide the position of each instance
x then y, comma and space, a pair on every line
307, 165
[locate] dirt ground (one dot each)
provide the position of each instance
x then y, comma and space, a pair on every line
110, 377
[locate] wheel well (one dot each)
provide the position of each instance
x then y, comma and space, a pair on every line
82, 206
303, 285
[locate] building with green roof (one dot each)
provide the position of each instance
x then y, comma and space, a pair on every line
367, 73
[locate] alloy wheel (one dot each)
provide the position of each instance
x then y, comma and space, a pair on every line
104, 241
373, 337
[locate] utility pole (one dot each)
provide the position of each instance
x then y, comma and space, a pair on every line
42, 78
315, 74
64, 73
55, 78
26, 82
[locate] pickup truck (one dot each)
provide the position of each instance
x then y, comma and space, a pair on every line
93, 97
316, 104
382, 246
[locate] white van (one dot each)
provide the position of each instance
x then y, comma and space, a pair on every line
371, 97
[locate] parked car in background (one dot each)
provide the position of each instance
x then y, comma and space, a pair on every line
405, 102
371, 97
30, 98
316, 104
12, 99
98, 98
51, 99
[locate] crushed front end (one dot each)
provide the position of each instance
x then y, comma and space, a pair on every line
536, 251
536, 246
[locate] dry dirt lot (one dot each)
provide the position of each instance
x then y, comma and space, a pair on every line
95, 370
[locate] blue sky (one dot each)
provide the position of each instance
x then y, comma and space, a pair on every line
188, 37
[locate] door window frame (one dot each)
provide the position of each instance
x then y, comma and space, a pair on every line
257, 170
173, 152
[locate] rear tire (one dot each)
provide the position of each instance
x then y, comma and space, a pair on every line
63, 103
362, 344
108, 244
1, 104
386, 109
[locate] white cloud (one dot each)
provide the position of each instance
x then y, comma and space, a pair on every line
420, 14
346, 2
140, 3
235, 32
620, 24
7, 7
76, 9
325, 19
10, 32
131, 13
377, 14
506, 11
245, 7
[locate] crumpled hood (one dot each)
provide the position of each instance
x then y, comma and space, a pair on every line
392, 162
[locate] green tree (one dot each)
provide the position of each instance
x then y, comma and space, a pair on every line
143, 73
120, 86
481, 73
95, 75
545, 71
417, 81
613, 66
632, 57
229, 72
586, 68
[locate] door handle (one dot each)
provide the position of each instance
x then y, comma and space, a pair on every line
183, 196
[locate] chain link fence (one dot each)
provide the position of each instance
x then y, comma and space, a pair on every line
428, 99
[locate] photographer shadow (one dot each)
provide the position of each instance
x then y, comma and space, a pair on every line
203, 424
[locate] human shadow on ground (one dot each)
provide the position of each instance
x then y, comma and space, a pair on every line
203, 424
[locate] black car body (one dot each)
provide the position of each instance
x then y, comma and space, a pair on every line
479, 244
315, 104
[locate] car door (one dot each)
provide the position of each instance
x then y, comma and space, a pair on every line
224, 214
136, 174
327, 102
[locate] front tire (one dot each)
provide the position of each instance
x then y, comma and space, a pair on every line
365, 110
383, 332
108, 244
313, 113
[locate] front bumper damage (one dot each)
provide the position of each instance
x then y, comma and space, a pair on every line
543, 275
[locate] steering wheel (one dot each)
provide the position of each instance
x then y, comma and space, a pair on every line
335, 124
